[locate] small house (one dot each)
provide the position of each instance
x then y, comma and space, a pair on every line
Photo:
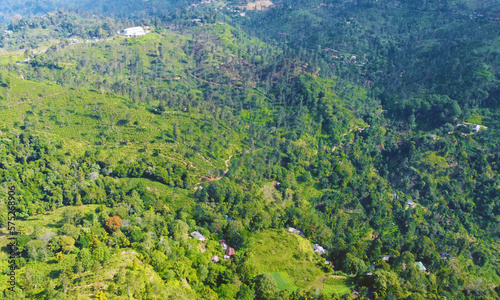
319, 249
197, 235
476, 128
444, 255
296, 231
410, 203
386, 257
230, 252
223, 243
215, 258
420, 266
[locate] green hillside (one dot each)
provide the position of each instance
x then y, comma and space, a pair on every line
286, 254
171, 165
290, 260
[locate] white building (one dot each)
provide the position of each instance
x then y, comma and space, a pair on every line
319, 249
134, 31
197, 235
296, 231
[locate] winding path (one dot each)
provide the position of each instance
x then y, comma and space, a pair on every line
217, 178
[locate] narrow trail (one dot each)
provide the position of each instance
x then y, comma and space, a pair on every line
203, 157
216, 178
227, 167
320, 281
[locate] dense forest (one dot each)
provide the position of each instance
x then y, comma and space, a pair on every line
250, 150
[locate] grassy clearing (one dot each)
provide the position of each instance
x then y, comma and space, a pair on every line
284, 282
270, 192
292, 256
53, 219
476, 118
336, 285
176, 198
11, 57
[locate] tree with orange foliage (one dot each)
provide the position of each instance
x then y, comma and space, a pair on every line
114, 223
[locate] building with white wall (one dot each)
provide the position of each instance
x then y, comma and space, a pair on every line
134, 31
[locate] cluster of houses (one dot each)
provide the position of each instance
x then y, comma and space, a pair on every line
409, 202
229, 252
475, 128
419, 264
236, 12
200, 23
202, 2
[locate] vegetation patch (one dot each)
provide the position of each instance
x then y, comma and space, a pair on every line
282, 252
336, 285
283, 281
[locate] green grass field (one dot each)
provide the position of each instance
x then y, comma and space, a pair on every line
336, 285
290, 260
288, 257
284, 282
